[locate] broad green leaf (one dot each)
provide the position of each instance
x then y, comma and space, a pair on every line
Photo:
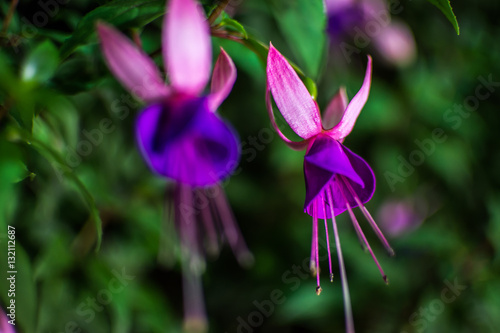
54, 259
41, 63
8, 81
20, 93
121, 13
445, 7
302, 22
12, 168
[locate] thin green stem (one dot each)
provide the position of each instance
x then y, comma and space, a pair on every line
8, 17
217, 11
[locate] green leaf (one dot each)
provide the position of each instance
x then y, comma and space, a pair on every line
121, 13
41, 63
311, 87
233, 25
63, 169
9, 80
12, 168
302, 22
445, 7
25, 295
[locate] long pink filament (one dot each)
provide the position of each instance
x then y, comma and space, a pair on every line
315, 235
209, 224
233, 233
191, 250
370, 219
312, 262
194, 305
327, 239
360, 232
349, 322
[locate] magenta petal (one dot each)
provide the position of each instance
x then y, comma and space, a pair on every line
323, 161
324, 164
132, 67
5, 327
223, 79
183, 140
365, 172
301, 145
335, 109
187, 49
344, 127
291, 96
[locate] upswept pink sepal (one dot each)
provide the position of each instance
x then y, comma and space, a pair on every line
291, 96
344, 127
301, 145
187, 48
135, 70
335, 109
223, 78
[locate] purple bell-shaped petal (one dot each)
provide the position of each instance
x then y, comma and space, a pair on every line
328, 166
183, 140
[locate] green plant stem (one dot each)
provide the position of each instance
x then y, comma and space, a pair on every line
8, 17
217, 11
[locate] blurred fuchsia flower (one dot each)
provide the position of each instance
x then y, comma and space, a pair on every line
336, 179
355, 24
401, 216
5, 327
180, 135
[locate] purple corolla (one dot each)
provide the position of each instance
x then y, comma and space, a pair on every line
336, 178
181, 137
179, 134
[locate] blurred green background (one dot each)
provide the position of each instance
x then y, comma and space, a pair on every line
441, 214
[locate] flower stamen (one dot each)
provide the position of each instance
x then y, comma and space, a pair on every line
315, 236
359, 231
207, 218
349, 322
327, 239
370, 219
231, 230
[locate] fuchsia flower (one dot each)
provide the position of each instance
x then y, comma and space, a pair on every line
180, 135
336, 179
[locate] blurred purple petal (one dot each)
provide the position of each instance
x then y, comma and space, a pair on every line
223, 79
400, 216
5, 327
396, 44
291, 96
343, 16
131, 66
183, 140
324, 163
335, 110
344, 127
187, 49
